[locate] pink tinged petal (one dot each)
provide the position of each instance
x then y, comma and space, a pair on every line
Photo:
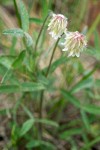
57, 25
75, 42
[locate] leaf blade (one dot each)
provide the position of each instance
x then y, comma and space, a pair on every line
23, 87
14, 32
71, 132
26, 127
18, 61
24, 16
90, 108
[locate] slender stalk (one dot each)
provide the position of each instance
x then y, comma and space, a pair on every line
42, 93
40, 33
52, 58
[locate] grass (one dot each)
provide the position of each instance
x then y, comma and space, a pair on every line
69, 117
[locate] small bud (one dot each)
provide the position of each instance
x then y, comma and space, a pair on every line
75, 43
57, 25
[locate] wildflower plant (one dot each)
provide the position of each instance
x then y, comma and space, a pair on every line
25, 65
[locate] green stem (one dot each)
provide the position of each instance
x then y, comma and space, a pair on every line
36, 44
40, 33
51, 58
42, 93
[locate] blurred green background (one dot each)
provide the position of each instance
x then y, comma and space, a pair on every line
72, 98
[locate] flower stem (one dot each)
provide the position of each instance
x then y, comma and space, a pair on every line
48, 69
36, 44
42, 93
40, 33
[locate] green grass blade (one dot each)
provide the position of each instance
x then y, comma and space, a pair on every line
47, 122
90, 108
70, 133
93, 27
85, 120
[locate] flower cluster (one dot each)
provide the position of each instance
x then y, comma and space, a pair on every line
75, 42
57, 25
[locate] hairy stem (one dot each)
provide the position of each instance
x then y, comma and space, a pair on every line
42, 93
48, 69
40, 33
37, 41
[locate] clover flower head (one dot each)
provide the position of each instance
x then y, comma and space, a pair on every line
75, 43
57, 26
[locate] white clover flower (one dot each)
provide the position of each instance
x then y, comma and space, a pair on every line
57, 25
75, 42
